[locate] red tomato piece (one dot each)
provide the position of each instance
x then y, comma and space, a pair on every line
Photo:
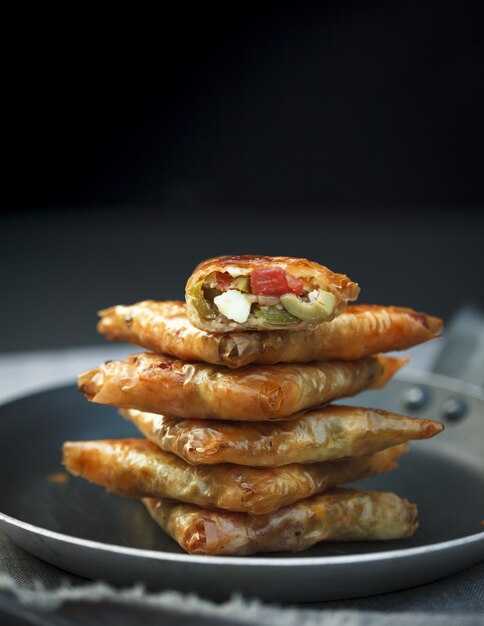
269, 281
224, 281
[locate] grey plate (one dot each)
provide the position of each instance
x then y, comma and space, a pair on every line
82, 529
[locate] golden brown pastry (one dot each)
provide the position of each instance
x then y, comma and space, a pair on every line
359, 331
161, 384
327, 434
339, 515
137, 468
265, 293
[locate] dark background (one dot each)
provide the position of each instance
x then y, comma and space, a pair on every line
134, 146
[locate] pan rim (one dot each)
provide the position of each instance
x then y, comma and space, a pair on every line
160, 555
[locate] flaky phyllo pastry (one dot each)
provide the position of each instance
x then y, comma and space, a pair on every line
358, 332
161, 384
265, 293
325, 434
340, 515
244, 449
137, 468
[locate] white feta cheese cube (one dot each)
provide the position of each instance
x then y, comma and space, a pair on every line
234, 305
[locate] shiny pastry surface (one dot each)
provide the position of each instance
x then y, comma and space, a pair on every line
137, 468
358, 332
325, 434
339, 515
162, 384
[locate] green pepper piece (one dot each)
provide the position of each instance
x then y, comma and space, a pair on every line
275, 316
242, 284
199, 301
318, 311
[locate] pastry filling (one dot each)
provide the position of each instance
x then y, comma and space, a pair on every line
267, 293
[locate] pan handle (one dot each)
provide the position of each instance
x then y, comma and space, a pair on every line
462, 354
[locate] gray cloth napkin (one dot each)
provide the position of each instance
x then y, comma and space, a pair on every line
33, 592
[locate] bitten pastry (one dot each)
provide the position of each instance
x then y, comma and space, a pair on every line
265, 293
137, 468
327, 434
340, 515
358, 332
161, 384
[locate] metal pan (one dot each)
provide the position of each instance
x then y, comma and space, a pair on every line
80, 528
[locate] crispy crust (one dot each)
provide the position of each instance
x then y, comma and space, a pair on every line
340, 515
137, 468
338, 284
360, 331
164, 327
161, 384
326, 434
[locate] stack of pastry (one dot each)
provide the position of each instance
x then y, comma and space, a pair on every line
244, 451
